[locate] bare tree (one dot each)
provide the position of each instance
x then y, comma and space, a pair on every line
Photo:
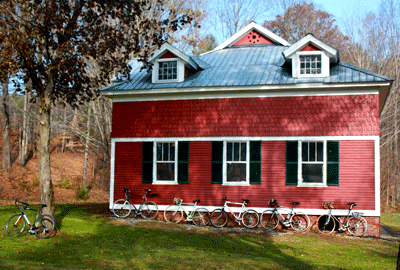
53, 42
232, 15
6, 127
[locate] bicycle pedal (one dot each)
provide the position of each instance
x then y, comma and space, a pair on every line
31, 231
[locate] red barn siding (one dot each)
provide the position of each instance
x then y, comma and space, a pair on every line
274, 116
357, 177
310, 48
253, 38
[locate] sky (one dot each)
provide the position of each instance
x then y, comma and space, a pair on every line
340, 7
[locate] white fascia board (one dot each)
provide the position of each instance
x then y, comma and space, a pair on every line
248, 29
168, 47
298, 89
329, 50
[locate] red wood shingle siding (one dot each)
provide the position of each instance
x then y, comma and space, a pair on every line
357, 178
274, 116
253, 38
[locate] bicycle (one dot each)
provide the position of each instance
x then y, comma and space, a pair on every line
270, 218
122, 208
174, 213
249, 217
43, 226
354, 223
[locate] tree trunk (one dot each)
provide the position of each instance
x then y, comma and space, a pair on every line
25, 133
85, 164
43, 151
6, 128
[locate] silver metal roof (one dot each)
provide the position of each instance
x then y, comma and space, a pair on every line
244, 66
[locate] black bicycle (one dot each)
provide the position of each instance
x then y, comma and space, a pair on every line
122, 208
43, 226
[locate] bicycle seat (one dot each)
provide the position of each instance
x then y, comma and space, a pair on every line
294, 203
148, 190
246, 201
196, 201
352, 203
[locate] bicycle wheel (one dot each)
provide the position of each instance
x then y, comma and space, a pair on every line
219, 218
149, 210
201, 217
122, 208
269, 220
15, 226
299, 222
173, 213
44, 227
357, 226
250, 218
325, 224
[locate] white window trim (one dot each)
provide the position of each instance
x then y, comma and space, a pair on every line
300, 182
225, 162
180, 70
324, 65
161, 182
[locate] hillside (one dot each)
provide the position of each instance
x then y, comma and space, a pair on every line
66, 171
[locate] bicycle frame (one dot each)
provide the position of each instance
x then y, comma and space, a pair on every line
288, 215
189, 215
341, 222
238, 218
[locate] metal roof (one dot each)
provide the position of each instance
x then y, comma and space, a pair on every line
244, 66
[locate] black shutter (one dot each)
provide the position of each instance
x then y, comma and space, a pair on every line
291, 162
147, 166
255, 162
216, 162
333, 163
183, 162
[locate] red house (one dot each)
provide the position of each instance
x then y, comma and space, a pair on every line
255, 118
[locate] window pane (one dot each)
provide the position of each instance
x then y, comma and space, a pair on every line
243, 151
229, 147
312, 173
236, 153
320, 151
159, 151
165, 171
236, 172
304, 151
172, 152
311, 151
165, 151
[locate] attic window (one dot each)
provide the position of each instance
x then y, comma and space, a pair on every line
310, 64
168, 70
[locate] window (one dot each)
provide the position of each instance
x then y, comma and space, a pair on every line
312, 163
310, 64
166, 165
236, 162
165, 162
168, 70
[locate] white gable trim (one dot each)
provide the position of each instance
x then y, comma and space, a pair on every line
310, 39
168, 47
252, 26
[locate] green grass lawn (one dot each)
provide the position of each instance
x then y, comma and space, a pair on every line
88, 239
392, 221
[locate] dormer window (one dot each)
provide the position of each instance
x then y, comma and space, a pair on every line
310, 64
168, 70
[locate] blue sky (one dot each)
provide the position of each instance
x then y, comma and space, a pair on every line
342, 8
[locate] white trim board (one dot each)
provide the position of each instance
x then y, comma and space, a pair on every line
242, 138
191, 96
